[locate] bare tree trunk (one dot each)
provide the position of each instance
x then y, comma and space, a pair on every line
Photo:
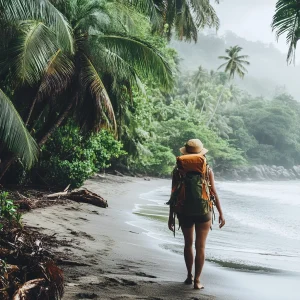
44, 139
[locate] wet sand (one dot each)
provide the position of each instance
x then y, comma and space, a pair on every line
119, 261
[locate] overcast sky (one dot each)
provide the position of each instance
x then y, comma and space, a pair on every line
250, 19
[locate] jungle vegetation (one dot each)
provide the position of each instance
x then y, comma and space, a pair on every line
85, 84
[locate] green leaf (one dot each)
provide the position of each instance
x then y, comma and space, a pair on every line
14, 134
32, 51
44, 11
286, 21
141, 55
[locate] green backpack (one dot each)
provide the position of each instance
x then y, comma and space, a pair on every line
194, 204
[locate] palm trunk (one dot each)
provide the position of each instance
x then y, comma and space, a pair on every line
45, 138
202, 108
30, 111
4, 166
217, 105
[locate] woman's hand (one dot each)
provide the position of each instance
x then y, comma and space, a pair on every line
171, 223
221, 220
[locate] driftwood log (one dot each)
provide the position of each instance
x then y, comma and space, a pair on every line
83, 195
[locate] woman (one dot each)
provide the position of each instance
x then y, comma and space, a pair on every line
198, 224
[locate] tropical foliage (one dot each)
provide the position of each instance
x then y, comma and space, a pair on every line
286, 21
70, 158
8, 210
185, 18
68, 58
14, 133
71, 68
244, 129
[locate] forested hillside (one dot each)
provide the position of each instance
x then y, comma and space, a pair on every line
268, 72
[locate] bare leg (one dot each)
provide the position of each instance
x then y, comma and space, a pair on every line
188, 234
202, 230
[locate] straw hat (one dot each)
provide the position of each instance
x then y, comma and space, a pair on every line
193, 146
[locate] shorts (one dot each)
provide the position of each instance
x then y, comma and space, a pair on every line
190, 221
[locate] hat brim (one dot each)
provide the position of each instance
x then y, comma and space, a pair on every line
183, 151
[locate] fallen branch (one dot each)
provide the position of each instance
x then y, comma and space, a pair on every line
57, 195
83, 195
87, 196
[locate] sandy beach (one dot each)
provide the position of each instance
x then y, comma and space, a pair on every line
117, 260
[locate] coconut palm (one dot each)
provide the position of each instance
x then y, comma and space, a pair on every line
185, 17
76, 56
234, 62
287, 21
234, 65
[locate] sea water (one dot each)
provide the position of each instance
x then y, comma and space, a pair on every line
262, 231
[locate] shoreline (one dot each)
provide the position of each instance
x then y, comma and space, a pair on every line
121, 261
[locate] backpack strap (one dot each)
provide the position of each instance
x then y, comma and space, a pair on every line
211, 196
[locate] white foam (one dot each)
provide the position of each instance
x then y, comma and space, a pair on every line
265, 224
283, 192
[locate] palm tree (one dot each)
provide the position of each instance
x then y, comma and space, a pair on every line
287, 21
234, 65
234, 62
76, 56
185, 17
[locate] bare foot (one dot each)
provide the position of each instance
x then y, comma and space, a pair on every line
190, 279
198, 285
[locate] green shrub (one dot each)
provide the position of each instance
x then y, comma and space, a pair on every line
157, 161
70, 158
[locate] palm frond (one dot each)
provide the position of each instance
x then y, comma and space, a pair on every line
141, 55
242, 57
57, 75
246, 62
31, 51
205, 14
102, 107
287, 21
43, 11
222, 66
14, 134
119, 69
185, 26
90, 14
224, 57
150, 8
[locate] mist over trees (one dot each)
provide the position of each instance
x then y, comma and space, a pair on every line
268, 74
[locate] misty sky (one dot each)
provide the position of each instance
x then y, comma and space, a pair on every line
250, 19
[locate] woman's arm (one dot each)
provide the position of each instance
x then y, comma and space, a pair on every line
218, 203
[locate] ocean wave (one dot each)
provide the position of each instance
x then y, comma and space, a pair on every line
281, 192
